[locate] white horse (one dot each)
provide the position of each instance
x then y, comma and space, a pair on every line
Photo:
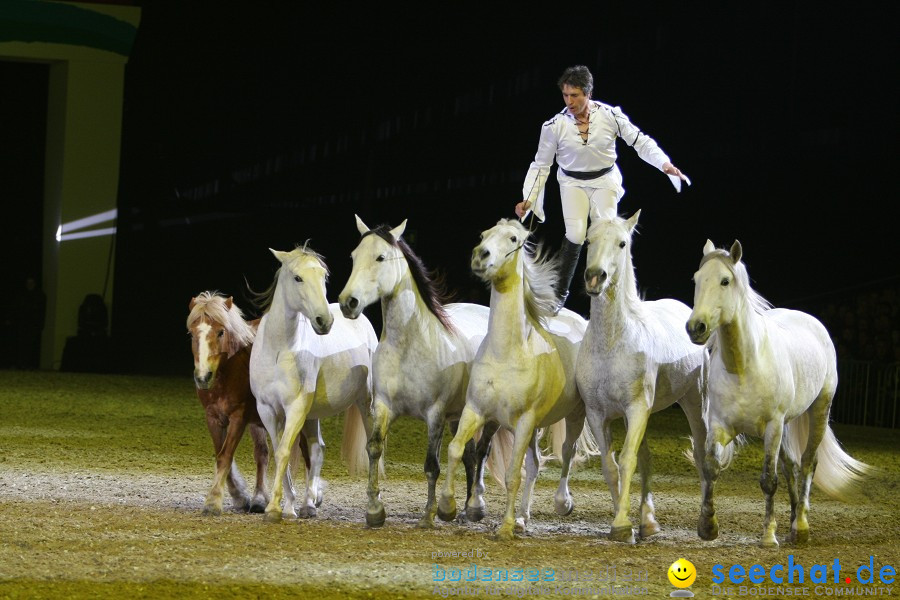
300, 375
421, 366
636, 359
523, 376
773, 373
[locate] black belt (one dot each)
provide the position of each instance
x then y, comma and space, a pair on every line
587, 174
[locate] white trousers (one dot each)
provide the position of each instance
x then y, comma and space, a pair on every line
579, 203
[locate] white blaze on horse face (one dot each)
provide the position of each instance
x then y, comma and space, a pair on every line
303, 282
202, 353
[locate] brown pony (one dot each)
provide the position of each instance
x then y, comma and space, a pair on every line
221, 341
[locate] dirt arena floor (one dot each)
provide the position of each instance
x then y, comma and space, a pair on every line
103, 478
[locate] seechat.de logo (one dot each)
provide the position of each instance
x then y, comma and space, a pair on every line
796, 573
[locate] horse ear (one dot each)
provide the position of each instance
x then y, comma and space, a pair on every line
281, 256
398, 230
708, 247
192, 304
360, 226
229, 301
736, 252
633, 220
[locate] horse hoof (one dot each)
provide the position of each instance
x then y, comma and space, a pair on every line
257, 507
520, 525
800, 537
377, 518
425, 523
307, 512
648, 530
504, 534
769, 542
446, 509
211, 510
564, 509
273, 516
622, 534
708, 530
475, 513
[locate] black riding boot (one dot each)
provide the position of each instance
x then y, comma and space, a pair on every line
569, 254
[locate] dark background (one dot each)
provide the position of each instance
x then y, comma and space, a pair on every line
264, 125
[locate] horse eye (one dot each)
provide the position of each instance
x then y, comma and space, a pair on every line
725, 281
380, 258
221, 333
621, 244
298, 279
513, 239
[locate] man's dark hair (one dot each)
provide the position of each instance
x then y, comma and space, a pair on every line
577, 76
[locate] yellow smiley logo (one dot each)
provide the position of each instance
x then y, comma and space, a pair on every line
682, 573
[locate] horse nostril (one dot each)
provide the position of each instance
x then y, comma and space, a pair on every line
601, 274
320, 321
485, 253
353, 302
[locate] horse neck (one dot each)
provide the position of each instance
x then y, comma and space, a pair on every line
283, 323
619, 303
508, 324
404, 312
740, 340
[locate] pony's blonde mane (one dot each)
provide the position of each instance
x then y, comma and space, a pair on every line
211, 304
541, 272
263, 300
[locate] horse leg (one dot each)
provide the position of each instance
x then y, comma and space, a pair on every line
563, 501
315, 486
601, 430
468, 460
636, 424
716, 439
236, 485
768, 480
523, 438
261, 456
649, 524
295, 415
475, 505
532, 468
790, 468
818, 423
213, 504
435, 425
469, 423
381, 422
692, 405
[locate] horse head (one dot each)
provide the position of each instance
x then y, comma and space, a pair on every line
717, 290
377, 268
609, 252
497, 252
301, 283
210, 338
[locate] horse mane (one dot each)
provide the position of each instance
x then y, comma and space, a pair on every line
431, 286
263, 300
211, 304
541, 275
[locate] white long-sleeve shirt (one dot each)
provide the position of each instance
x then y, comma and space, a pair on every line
560, 139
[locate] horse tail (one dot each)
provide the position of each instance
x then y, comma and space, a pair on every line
500, 455
837, 473
353, 444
